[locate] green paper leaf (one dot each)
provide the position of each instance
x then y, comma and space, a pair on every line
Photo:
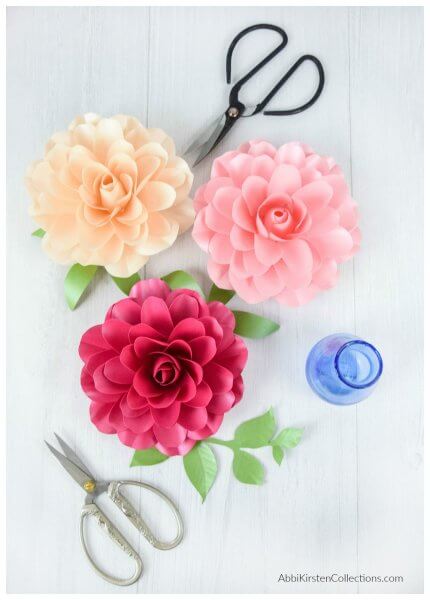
39, 233
77, 280
288, 438
182, 279
257, 432
201, 467
253, 326
247, 468
220, 295
150, 456
278, 454
126, 283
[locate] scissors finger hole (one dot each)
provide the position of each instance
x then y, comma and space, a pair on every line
104, 552
155, 511
305, 82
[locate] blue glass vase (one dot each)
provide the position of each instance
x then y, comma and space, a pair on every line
343, 369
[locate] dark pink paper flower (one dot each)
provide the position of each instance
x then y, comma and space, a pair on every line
163, 368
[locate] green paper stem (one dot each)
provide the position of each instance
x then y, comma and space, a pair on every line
126, 283
201, 465
181, 279
229, 444
253, 326
257, 433
220, 295
76, 282
39, 233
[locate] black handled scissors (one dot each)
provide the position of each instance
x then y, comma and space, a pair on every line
237, 109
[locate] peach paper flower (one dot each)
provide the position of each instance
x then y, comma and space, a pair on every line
110, 192
275, 223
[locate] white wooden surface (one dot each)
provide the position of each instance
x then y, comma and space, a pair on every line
349, 498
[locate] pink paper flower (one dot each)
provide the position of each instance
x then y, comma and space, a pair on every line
275, 223
163, 368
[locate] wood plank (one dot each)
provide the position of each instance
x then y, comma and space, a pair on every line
387, 171
245, 525
61, 62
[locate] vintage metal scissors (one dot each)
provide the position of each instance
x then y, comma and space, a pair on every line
236, 109
82, 475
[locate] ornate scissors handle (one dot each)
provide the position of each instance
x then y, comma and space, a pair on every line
92, 510
130, 512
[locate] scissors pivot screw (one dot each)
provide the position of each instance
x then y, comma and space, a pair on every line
89, 486
233, 112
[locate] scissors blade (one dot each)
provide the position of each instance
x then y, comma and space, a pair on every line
71, 455
204, 135
223, 126
74, 471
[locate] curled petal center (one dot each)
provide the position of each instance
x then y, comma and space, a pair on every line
281, 217
107, 182
165, 371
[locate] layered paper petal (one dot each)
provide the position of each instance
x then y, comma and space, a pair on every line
163, 368
275, 222
111, 192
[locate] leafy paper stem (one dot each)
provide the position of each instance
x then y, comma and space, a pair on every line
126, 283
253, 326
182, 279
77, 280
201, 465
38, 233
247, 324
220, 295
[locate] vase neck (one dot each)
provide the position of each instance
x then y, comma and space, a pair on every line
358, 364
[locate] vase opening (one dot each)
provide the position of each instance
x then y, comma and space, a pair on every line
358, 364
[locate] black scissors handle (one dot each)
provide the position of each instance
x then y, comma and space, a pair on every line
291, 71
235, 103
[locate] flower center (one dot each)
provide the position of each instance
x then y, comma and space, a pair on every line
281, 217
113, 195
107, 182
165, 371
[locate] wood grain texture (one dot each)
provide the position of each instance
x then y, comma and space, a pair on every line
349, 498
